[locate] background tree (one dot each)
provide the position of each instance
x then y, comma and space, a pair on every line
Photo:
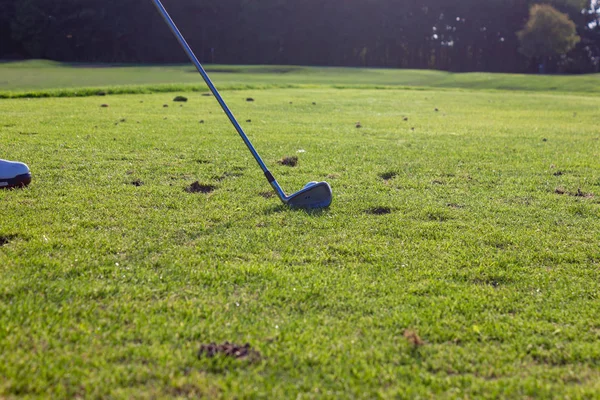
458, 35
547, 33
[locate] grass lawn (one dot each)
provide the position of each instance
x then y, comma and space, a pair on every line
460, 257
46, 78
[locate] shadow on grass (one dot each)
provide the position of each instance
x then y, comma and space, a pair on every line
283, 208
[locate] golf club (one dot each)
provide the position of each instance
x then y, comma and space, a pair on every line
313, 194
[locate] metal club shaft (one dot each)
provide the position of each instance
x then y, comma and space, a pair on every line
215, 92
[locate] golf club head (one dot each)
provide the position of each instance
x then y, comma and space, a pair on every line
312, 195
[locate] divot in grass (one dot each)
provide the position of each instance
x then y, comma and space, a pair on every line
5, 239
379, 210
227, 349
413, 338
197, 187
289, 161
386, 176
579, 193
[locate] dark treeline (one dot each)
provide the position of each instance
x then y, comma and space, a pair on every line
459, 35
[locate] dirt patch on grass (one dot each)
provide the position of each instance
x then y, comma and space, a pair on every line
137, 183
289, 161
379, 210
578, 193
228, 350
6, 239
267, 195
196, 187
386, 176
182, 99
413, 338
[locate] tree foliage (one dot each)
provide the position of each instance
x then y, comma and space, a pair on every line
461, 35
547, 33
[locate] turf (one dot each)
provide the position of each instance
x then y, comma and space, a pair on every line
51, 79
459, 259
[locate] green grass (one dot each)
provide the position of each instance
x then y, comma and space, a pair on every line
51, 79
108, 289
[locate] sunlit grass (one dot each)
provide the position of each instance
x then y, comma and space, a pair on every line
460, 257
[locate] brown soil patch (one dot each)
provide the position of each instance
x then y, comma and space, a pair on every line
5, 239
267, 195
413, 338
289, 161
180, 99
579, 193
196, 187
379, 210
165, 105
228, 350
137, 183
249, 99
104, 105
386, 176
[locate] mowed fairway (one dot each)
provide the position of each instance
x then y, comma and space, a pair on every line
460, 257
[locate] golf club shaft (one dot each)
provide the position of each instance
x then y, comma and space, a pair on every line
214, 91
